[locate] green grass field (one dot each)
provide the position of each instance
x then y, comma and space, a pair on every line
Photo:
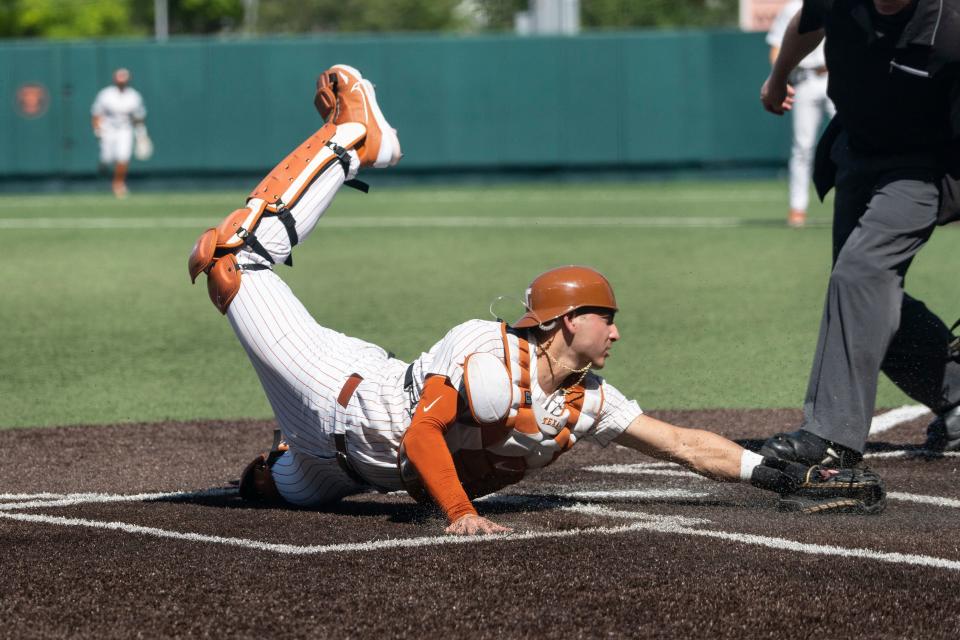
719, 301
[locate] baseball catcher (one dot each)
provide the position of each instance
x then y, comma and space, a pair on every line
488, 404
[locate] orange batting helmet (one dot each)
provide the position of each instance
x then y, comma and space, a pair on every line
562, 290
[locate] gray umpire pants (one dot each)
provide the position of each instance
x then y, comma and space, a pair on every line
881, 220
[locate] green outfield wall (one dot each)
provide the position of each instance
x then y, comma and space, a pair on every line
617, 101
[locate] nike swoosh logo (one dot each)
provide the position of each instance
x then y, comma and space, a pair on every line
356, 87
427, 407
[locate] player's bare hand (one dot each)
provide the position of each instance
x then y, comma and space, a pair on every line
471, 525
776, 96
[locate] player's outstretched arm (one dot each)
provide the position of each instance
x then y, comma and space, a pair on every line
813, 489
427, 450
704, 452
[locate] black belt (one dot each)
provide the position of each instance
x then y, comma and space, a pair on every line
339, 439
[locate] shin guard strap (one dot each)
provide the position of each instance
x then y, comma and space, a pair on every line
359, 185
284, 216
344, 158
254, 267
341, 154
252, 242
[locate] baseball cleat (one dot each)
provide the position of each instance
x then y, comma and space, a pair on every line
810, 449
343, 95
943, 434
796, 218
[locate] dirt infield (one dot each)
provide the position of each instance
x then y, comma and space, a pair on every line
132, 531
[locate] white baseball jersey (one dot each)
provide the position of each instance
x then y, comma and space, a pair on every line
778, 28
118, 109
303, 367
446, 358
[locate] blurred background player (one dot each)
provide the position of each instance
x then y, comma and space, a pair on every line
810, 102
118, 116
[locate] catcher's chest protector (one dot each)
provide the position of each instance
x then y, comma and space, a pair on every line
489, 457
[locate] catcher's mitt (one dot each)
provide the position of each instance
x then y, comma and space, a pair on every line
256, 482
825, 490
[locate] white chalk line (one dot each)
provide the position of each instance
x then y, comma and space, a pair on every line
47, 500
41, 500
679, 526
646, 522
638, 494
36, 496
895, 417
387, 222
600, 510
432, 196
657, 194
911, 453
819, 549
934, 500
659, 469
644, 468
375, 545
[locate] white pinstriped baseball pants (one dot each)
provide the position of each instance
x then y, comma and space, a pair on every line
810, 104
301, 364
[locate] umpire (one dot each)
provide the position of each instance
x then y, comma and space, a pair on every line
893, 154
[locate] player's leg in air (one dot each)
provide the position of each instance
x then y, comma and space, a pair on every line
301, 364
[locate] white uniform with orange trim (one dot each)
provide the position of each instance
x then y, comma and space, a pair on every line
303, 367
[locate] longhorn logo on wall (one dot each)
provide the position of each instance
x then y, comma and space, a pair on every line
32, 100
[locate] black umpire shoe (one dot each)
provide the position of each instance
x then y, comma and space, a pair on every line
943, 434
810, 449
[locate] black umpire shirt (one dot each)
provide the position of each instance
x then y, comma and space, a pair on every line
895, 80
